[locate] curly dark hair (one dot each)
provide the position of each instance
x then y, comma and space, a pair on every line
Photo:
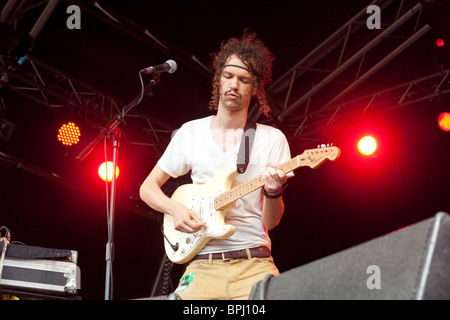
258, 58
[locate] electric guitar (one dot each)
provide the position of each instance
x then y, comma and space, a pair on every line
210, 201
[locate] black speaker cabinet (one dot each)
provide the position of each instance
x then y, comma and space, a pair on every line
411, 263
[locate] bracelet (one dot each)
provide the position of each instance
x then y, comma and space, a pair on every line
274, 195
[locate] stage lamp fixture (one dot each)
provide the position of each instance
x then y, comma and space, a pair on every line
444, 121
367, 145
440, 42
69, 134
105, 171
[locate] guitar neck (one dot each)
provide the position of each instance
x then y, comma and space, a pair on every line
228, 198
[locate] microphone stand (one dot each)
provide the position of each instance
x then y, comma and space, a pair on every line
113, 128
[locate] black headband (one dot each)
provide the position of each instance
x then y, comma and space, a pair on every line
234, 65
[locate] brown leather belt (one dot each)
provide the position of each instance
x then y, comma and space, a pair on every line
258, 252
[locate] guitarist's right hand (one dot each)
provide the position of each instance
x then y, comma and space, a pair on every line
186, 220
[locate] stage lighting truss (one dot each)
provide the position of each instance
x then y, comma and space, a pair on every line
47, 86
305, 110
295, 97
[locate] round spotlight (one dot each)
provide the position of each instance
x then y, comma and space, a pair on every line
444, 121
440, 42
105, 171
367, 145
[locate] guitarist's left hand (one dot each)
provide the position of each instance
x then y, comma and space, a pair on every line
273, 179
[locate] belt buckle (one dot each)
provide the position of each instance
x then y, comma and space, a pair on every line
224, 258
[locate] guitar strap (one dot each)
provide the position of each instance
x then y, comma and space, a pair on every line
245, 147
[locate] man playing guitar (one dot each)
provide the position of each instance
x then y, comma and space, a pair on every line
226, 267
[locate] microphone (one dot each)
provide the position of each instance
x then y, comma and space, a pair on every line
169, 66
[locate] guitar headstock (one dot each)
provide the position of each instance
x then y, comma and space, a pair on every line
323, 152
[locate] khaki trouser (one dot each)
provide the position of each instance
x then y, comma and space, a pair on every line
223, 279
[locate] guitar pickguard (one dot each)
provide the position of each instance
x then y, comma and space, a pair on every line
204, 208
188, 244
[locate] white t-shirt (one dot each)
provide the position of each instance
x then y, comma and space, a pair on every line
193, 148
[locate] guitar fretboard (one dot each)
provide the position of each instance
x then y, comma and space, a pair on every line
227, 198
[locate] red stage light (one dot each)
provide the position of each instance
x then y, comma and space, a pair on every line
367, 145
69, 134
444, 121
440, 42
105, 171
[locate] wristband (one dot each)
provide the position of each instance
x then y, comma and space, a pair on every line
274, 195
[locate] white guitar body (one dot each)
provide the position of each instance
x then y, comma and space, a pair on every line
200, 199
